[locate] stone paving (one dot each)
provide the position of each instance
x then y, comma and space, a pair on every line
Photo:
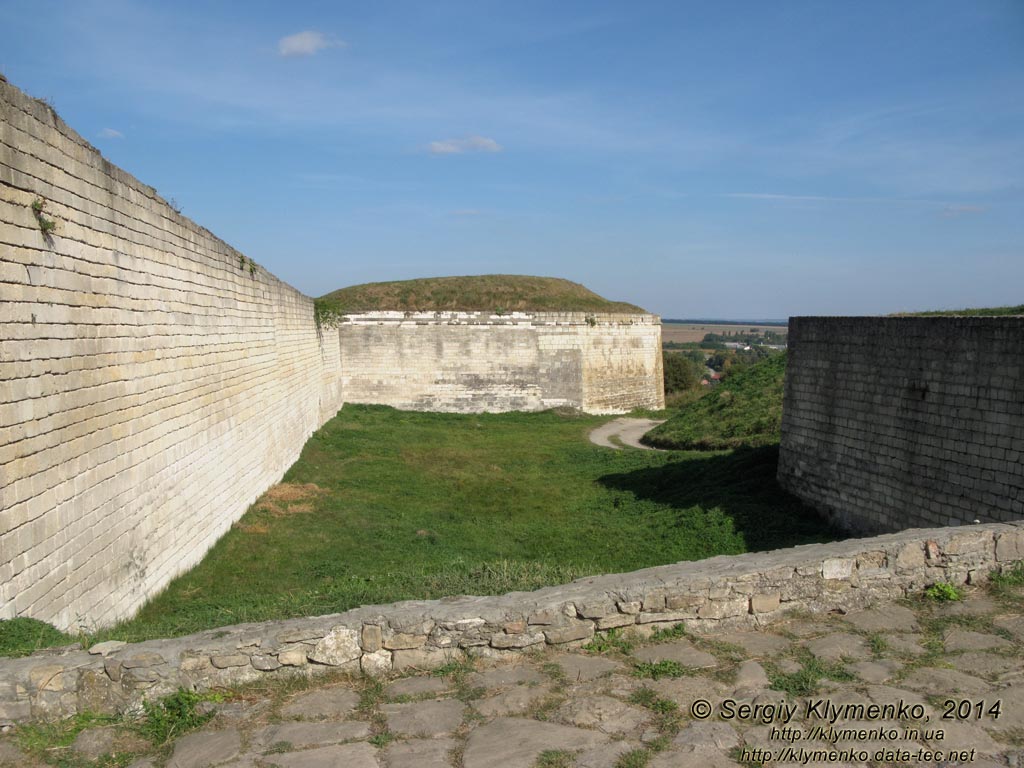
890, 685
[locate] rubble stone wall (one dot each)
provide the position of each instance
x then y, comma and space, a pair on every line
898, 422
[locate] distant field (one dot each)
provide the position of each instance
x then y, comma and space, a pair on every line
683, 332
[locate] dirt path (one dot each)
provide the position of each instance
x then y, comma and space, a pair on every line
627, 430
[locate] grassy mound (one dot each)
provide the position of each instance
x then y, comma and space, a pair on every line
975, 311
744, 411
504, 293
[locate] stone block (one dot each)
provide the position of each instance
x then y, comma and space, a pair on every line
580, 630
1010, 546
616, 620
371, 638
338, 647
376, 664
837, 568
521, 640
765, 603
721, 609
401, 641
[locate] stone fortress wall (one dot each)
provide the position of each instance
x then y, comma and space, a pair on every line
900, 422
466, 362
154, 381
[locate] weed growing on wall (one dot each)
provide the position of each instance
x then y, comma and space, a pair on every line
46, 226
244, 262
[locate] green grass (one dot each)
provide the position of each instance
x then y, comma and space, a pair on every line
744, 411
22, 636
424, 505
504, 293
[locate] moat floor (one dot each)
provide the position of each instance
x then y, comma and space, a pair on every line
917, 684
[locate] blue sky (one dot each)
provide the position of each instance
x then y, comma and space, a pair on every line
712, 159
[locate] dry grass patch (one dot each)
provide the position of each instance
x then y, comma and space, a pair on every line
289, 499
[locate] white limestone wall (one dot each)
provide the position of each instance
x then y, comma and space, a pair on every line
468, 362
152, 382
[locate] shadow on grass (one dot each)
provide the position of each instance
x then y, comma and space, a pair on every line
742, 485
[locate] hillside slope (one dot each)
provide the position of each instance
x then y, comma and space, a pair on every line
504, 293
745, 410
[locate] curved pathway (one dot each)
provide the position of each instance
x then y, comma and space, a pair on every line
627, 430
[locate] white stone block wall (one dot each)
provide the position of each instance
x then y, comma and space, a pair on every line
151, 385
468, 362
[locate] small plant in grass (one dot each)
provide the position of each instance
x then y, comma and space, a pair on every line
635, 758
172, 716
612, 640
877, 643
675, 632
1007, 585
666, 712
278, 747
382, 739
807, 679
555, 758
941, 592
44, 739
655, 670
454, 668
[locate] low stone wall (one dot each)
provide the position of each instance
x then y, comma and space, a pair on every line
468, 362
722, 592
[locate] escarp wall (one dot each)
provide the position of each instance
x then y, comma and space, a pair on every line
153, 381
468, 362
899, 422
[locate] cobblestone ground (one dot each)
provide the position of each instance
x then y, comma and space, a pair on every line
891, 685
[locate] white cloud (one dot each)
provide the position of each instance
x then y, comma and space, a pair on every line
468, 144
110, 133
956, 211
306, 43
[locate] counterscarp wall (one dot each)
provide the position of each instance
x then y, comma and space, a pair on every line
898, 422
153, 381
467, 362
